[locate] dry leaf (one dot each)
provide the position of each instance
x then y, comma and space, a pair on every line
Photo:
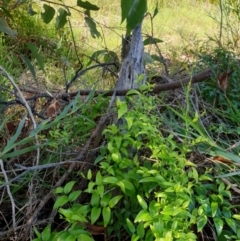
11, 127
53, 109
95, 229
222, 159
223, 80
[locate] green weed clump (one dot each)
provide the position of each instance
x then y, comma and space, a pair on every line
145, 188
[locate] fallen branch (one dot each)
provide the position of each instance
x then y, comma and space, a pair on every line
157, 89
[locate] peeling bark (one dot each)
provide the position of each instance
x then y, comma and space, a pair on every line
132, 67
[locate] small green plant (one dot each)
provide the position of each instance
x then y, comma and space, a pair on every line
74, 216
146, 186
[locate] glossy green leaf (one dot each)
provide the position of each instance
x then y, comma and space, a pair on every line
95, 199
61, 19
214, 208
140, 230
113, 202
92, 26
238, 233
105, 199
148, 179
106, 212
122, 186
89, 174
46, 233
202, 220
226, 212
70, 237
129, 185
99, 159
167, 210
133, 92
112, 180
95, 214
131, 226
129, 122
136, 14
144, 216
142, 202
195, 174
90, 187
191, 236
153, 209
60, 202
135, 237
85, 237
48, 13
168, 236
79, 217
62, 235
236, 216
116, 157
99, 178
218, 223
58, 190
6, 29
174, 224
84, 209
67, 213
221, 187
37, 233
100, 190
125, 7
37, 239
118, 141
74, 195
87, 5
68, 187
232, 224
205, 178
155, 11
122, 108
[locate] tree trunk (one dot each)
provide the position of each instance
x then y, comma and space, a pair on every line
132, 67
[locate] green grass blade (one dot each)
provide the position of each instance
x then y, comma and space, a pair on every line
13, 139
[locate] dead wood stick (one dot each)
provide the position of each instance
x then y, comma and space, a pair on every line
199, 77
206, 74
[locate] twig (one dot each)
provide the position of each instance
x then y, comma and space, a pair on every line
30, 189
75, 46
221, 23
45, 166
79, 73
10, 196
157, 89
237, 190
199, 77
233, 146
39, 167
